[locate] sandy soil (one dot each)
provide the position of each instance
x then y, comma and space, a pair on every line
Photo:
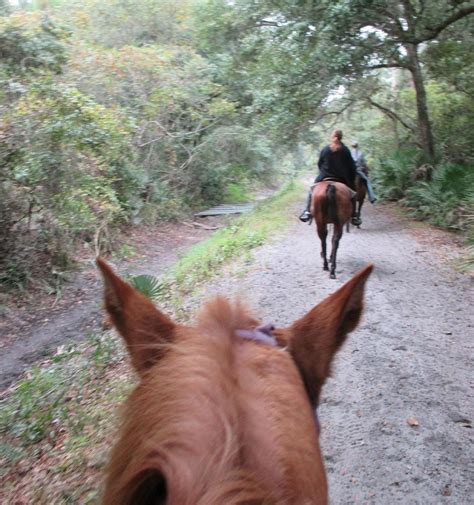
397, 415
410, 361
37, 324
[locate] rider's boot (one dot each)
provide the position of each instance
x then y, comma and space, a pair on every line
355, 219
306, 215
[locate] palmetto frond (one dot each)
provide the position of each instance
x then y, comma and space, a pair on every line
148, 285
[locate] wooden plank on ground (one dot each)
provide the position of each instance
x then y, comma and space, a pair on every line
238, 208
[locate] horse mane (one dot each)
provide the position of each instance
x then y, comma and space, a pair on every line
219, 317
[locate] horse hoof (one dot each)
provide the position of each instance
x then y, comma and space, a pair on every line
326, 268
332, 275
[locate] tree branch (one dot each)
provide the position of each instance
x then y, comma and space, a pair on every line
435, 31
336, 113
390, 114
422, 8
266, 22
388, 65
175, 135
399, 31
410, 16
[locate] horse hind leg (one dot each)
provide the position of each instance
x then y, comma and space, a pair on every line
323, 233
359, 210
336, 237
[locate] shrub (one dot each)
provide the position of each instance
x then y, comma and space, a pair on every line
446, 199
64, 173
394, 174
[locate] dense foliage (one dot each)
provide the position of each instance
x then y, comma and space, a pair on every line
124, 112
108, 116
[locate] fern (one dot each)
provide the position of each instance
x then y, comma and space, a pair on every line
447, 200
394, 174
468, 216
148, 285
467, 263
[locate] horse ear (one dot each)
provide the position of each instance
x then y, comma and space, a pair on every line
314, 339
144, 328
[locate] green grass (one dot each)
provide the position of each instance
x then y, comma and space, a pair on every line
236, 193
58, 422
125, 252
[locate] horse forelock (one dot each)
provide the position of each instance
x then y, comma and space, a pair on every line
220, 316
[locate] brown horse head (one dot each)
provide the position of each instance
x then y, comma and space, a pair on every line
220, 415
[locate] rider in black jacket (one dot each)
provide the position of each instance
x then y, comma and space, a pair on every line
335, 162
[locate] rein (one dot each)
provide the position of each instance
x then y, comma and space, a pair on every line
261, 334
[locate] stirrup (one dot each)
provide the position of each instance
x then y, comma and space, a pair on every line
305, 217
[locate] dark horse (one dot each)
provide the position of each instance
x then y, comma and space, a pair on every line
361, 191
331, 203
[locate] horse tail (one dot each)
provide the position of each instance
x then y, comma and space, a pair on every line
332, 204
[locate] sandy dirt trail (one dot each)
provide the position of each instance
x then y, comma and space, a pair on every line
33, 331
409, 361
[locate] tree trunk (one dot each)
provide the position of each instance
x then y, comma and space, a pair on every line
424, 125
395, 92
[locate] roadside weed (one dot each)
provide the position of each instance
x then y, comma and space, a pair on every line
51, 395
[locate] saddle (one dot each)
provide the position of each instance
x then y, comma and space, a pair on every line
335, 179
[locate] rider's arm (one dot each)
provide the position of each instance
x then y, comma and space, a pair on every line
352, 167
321, 158
320, 176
